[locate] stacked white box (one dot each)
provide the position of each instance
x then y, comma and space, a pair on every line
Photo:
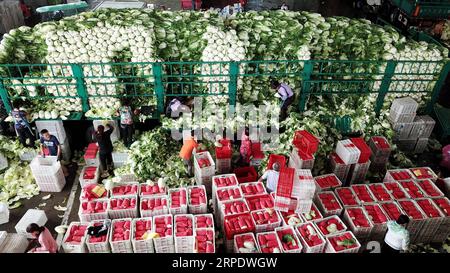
428, 127
4, 213
403, 109
304, 185
69, 247
54, 127
47, 172
123, 246
99, 247
421, 145
184, 243
347, 151
31, 216
203, 176
358, 172
338, 167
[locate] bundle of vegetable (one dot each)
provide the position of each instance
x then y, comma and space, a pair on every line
342, 242
17, 183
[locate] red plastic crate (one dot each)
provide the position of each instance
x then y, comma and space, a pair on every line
246, 174
280, 159
305, 142
225, 151
365, 150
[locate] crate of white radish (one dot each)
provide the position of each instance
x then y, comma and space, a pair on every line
328, 203
130, 189
223, 195
266, 220
312, 215
184, 233
434, 218
288, 239
93, 210
89, 175
92, 192
246, 243
268, 242
417, 218
123, 207
342, 243
47, 171
153, 205
252, 188
443, 231
420, 173
236, 224
258, 202
163, 226
363, 194
327, 182
197, 199
141, 239
378, 218
120, 236
178, 201
304, 185
310, 238
346, 196
74, 240
348, 151
330, 225
203, 221
99, 244
146, 190
205, 241
358, 222
221, 181
204, 167
398, 175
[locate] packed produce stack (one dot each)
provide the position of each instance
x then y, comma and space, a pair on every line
48, 173
412, 131
224, 153
351, 161
305, 146
91, 156
204, 170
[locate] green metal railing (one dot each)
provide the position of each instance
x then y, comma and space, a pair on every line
163, 79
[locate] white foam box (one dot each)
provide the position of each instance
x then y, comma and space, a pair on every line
31, 216
404, 105
428, 127
4, 213
347, 151
115, 134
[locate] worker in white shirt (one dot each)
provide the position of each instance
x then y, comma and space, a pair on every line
271, 177
397, 236
286, 94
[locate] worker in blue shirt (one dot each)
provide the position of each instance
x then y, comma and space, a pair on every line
22, 127
50, 145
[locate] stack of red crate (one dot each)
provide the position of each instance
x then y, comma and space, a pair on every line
223, 156
359, 170
305, 146
257, 154
91, 155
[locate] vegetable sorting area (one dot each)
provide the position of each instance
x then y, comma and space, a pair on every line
346, 74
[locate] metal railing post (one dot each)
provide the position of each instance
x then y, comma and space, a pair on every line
77, 71
384, 87
232, 86
306, 85
159, 87
4, 97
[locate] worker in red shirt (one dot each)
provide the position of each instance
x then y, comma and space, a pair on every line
186, 152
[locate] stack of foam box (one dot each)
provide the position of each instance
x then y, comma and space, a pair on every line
355, 155
47, 172
223, 156
203, 175
261, 208
381, 150
305, 146
234, 225
412, 132
56, 128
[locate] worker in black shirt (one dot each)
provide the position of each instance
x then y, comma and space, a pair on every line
103, 139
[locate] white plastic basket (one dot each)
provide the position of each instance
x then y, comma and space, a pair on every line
31, 216
28, 156
54, 127
206, 171
99, 247
296, 162
144, 194
119, 159
84, 193
186, 243
164, 244
84, 182
248, 237
88, 217
71, 247
153, 212
291, 231
47, 172
379, 227
304, 185
330, 249
405, 105
338, 167
197, 208
124, 246
262, 225
142, 245
123, 213
347, 151
182, 209
306, 247
322, 207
